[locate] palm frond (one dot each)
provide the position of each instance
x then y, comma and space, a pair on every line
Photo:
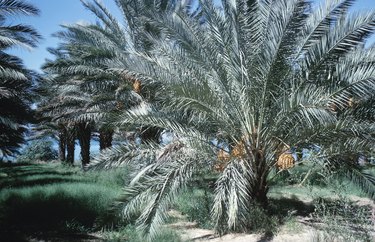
14, 7
232, 196
365, 181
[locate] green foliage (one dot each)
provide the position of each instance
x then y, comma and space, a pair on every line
305, 173
129, 233
119, 177
344, 178
260, 221
16, 82
38, 150
196, 205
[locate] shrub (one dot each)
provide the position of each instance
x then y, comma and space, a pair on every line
38, 150
262, 222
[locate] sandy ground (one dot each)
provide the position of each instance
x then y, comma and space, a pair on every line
190, 232
301, 232
201, 235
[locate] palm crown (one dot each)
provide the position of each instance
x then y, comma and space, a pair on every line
16, 81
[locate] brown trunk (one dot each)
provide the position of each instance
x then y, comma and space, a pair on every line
150, 134
105, 139
84, 136
260, 190
260, 187
70, 146
62, 142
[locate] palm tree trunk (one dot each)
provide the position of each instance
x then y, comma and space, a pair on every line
150, 134
70, 146
62, 142
259, 188
105, 139
84, 136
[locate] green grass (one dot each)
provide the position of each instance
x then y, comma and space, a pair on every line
38, 199
336, 188
129, 233
196, 205
52, 197
47, 205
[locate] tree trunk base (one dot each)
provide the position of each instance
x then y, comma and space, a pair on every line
84, 136
105, 139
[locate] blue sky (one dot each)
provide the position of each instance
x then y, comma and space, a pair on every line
57, 12
53, 14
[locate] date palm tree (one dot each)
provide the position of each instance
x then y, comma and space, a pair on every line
16, 82
263, 77
79, 101
70, 111
51, 121
102, 48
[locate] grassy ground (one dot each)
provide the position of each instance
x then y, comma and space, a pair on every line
52, 202
59, 203
52, 197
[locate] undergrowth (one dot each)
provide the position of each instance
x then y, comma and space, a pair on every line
129, 233
342, 220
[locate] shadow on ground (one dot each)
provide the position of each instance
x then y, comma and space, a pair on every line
37, 201
283, 206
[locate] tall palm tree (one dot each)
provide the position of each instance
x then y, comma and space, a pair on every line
68, 108
261, 76
102, 48
16, 82
50, 121
81, 101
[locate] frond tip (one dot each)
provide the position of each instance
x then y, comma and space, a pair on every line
365, 181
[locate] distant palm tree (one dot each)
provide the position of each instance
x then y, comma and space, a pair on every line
67, 109
51, 119
261, 76
80, 102
101, 51
16, 82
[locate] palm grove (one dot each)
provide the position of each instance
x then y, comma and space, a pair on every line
240, 85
